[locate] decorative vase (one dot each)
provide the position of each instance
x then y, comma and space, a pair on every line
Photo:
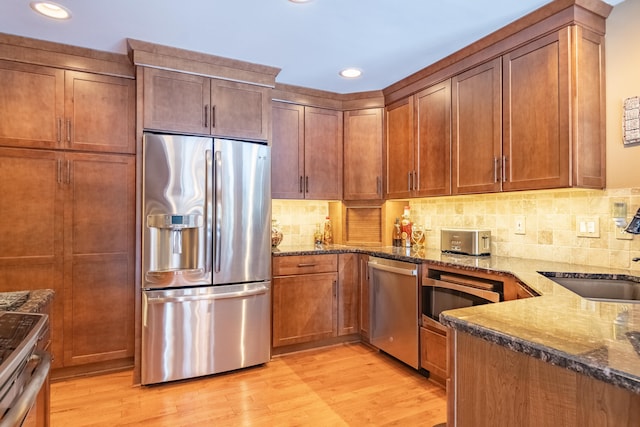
276, 234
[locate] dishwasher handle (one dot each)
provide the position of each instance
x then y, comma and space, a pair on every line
390, 269
212, 296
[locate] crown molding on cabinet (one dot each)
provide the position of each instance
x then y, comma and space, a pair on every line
40, 52
330, 100
170, 58
590, 14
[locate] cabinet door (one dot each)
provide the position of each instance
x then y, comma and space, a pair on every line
363, 154
31, 231
304, 308
99, 258
99, 113
287, 151
477, 129
433, 140
536, 114
364, 296
240, 110
399, 137
433, 354
348, 295
589, 139
323, 153
31, 105
176, 101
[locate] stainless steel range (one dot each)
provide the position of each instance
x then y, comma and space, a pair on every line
23, 368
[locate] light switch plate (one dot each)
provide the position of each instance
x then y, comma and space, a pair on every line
588, 226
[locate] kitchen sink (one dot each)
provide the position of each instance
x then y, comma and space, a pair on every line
612, 290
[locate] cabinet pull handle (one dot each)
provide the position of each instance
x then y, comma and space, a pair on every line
69, 130
300, 184
68, 171
378, 186
495, 169
206, 115
335, 290
415, 180
59, 130
307, 265
409, 181
213, 116
504, 168
306, 183
59, 172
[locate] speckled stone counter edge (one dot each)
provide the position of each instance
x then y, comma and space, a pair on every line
37, 300
545, 353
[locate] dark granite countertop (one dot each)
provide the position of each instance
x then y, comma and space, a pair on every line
598, 339
26, 301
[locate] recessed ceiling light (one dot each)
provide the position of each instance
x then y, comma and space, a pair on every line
350, 73
300, 1
50, 9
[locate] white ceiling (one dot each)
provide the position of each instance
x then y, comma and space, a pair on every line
387, 39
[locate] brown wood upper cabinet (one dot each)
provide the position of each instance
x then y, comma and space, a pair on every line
181, 102
477, 130
419, 143
45, 107
532, 119
363, 154
306, 153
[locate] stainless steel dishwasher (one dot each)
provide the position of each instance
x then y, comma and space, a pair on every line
394, 311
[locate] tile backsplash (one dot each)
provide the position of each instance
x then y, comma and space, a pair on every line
551, 223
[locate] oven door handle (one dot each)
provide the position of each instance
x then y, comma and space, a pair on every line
480, 293
403, 271
20, 408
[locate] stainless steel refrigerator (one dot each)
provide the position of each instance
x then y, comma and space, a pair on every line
206, 256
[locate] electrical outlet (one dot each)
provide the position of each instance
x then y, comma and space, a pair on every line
520, 225
623, 235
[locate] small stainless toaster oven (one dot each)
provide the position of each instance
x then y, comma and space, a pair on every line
466, 241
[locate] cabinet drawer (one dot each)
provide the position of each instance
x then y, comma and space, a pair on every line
304, 264
433, 352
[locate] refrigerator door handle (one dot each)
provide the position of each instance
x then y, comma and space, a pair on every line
218, 211
208, 216
213, 296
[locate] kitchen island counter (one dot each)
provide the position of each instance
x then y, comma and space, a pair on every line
597, 339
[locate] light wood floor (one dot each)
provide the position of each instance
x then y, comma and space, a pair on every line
346, 385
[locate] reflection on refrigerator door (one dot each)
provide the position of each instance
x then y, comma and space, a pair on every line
177, 210
206, 256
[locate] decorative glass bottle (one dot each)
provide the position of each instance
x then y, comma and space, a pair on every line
276, 233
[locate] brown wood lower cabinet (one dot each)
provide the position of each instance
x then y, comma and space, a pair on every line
433, 354
495, 386
315, 298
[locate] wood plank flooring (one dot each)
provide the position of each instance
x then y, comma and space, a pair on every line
345, 385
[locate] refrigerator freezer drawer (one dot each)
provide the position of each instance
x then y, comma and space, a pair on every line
200, 331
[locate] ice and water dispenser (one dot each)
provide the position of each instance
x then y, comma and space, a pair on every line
174, 243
